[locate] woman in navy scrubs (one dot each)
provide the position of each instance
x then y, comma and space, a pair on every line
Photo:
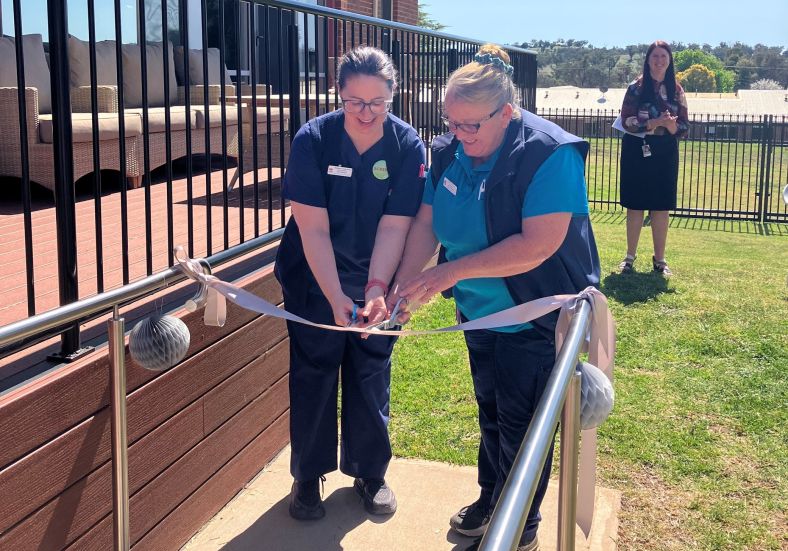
354, 180
506, 200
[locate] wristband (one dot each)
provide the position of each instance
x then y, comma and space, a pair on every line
376, 283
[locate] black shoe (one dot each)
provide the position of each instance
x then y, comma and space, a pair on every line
472, 520
531, 545
378, 497
305, 501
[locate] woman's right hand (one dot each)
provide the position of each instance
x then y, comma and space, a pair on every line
404, 314
342, 307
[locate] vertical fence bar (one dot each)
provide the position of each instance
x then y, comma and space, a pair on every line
208, 130
570, 446
24, 158
65, 211
239, 109
223, 110
253, 116
124, 200
168, 138
143, 39
268, 91
99, 235
120, 466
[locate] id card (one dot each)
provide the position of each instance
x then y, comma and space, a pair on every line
646, 150
344, 171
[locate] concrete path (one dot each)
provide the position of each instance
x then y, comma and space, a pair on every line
428, 494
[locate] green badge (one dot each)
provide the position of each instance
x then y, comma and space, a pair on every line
380, 170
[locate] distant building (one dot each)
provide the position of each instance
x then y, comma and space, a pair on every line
743, 102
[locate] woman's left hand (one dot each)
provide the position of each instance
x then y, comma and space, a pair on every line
428, 283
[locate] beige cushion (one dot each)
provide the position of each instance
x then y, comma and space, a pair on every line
82, 127
195, 67
36, 68
215, 115
156, 118
79, 62
132, 75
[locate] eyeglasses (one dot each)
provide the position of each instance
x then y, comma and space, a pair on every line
468, 128
376, 106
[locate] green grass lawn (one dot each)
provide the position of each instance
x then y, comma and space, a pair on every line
712, 175
697, 440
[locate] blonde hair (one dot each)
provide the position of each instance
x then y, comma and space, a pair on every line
482, 82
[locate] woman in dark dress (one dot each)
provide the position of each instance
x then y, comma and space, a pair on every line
655, 105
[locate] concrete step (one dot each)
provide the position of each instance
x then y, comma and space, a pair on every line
428, 493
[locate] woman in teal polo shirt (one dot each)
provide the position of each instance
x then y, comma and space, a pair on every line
506, 200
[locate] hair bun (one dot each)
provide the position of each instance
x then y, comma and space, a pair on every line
495, 51
490, 54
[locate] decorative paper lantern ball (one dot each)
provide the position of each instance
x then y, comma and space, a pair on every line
159, 342
596, 396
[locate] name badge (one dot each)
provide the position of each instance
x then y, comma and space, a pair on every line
344, 171
448, 184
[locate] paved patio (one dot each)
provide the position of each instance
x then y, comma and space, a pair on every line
428, 493
14, 304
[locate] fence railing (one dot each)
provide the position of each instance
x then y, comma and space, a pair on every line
206, 124
730, 166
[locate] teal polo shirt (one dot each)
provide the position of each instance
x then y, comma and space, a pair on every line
459, 222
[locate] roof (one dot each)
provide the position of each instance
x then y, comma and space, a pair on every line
743, 102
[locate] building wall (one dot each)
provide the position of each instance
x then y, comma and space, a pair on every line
197, 434
403, 11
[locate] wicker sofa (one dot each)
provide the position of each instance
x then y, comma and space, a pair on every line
39, 118
37, 109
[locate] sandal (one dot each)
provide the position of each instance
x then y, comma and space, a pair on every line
661, 266
627, 265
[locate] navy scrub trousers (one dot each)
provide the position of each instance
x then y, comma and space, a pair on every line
326, 171
510, 372
315, 359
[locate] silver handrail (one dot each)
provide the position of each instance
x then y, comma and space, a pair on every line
508, 519
111, 300
105, 302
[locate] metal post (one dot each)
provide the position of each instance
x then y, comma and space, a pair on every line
567, 477
295, 84
65, 213
120, 462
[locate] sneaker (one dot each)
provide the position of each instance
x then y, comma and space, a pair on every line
305, 501
378, 497
472, 520
532, 545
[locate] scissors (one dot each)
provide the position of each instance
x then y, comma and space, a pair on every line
390, 323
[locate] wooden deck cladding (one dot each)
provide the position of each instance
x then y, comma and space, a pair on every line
197, 433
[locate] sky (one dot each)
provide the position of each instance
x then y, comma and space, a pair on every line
616, 22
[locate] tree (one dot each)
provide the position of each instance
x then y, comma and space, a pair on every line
697, 78
724, 79
766, 84
426, 21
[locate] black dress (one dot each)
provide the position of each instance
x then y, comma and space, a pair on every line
649, 183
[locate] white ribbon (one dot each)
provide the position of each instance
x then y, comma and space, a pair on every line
600, 344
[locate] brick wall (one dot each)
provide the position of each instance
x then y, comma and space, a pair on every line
404, 11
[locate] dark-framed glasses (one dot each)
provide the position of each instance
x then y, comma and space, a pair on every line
376, 106
468, 128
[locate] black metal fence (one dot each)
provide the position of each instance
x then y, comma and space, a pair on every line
731, 166
182, 141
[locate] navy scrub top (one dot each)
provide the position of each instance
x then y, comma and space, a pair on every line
326, 171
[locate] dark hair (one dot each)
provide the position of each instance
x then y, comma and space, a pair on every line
366, 60
647, 83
